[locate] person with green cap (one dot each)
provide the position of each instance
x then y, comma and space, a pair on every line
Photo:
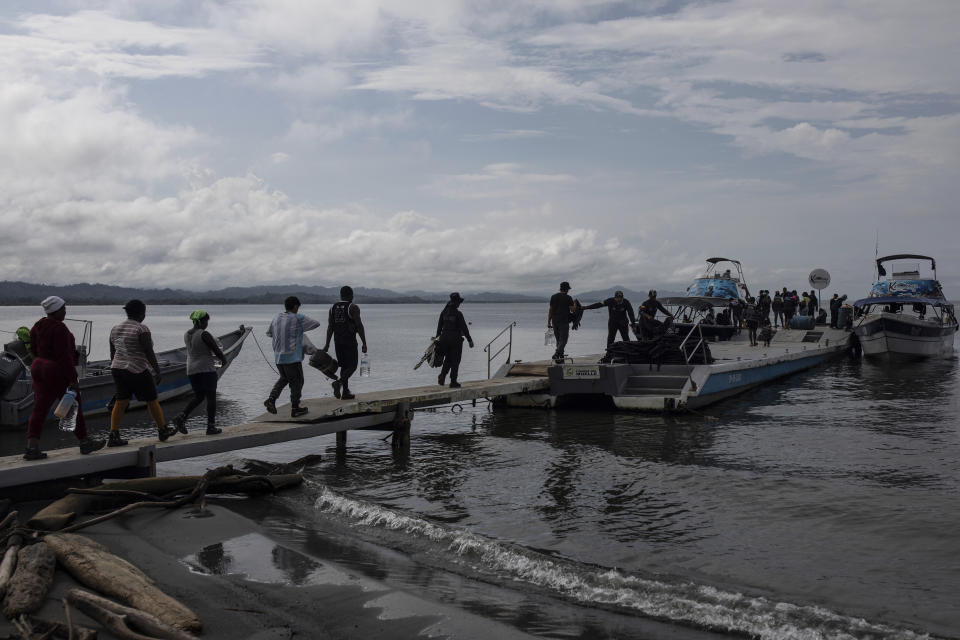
202, 355
20, 346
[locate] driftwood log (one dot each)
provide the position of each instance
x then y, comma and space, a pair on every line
31, 627
61, 513
9, 562
92, 564
31, 581
124, 622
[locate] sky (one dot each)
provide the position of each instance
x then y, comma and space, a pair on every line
478, 146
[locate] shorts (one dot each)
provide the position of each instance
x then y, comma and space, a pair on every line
134, 384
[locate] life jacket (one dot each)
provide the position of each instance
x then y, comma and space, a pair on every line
344, 328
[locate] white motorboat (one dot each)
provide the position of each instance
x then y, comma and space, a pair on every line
906, 316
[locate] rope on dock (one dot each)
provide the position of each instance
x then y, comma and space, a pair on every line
269, 364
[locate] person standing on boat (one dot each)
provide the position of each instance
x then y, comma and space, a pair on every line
287, 329
559, 314
53, 371
835, 303
131, 357
621, 316
344, 325
451, 330
202, 355
648, 315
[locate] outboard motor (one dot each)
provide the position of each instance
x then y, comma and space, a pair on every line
11, 369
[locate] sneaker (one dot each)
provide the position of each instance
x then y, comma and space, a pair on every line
270, 405
212, 430
336, 388
296, 412
454, 385
440, 380
181, 424
348, 396
34, 453
89, 446
165, 432
114, 440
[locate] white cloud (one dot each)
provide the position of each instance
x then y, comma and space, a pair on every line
502, 180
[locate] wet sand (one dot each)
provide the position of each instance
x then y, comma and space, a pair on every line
319, 600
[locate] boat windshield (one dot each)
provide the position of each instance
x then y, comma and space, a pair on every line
913, 288
714, 288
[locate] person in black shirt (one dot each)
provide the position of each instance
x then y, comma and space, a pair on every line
451, 330
648, 312
344, 325
558, 317
621, 316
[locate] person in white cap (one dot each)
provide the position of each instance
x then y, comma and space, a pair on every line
54, 370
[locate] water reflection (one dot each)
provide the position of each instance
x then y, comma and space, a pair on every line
256, 558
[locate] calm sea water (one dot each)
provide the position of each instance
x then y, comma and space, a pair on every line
824, 505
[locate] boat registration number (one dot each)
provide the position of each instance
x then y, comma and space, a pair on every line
581, 371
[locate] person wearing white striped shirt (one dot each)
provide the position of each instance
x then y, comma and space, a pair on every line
287, 329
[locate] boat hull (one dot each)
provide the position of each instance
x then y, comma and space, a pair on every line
97, 388
897, 337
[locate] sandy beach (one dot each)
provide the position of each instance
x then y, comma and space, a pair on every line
305, 599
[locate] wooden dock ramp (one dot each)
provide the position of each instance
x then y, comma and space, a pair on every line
383, 410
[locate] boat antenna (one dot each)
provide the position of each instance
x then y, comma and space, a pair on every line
876, 253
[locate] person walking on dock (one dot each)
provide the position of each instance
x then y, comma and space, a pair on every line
451, 330
835, 303
648, 314
53, 370
559, 314
344, 325
777, 306
131, 354
287, 329
202, 355
621, 316
790, 302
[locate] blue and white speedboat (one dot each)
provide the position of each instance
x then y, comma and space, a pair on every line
706, 303
906, 316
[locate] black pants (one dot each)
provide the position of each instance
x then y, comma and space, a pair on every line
452, 353
612, 330
561, 331
204, 387
291, 374
833, 319
347, 357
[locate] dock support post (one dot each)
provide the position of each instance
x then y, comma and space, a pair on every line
341, 441
401, 426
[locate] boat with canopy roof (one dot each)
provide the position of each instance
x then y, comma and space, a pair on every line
905, 316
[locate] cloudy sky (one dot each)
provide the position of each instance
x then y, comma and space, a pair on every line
485, 145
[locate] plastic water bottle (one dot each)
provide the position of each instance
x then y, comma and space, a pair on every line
548, 338
365, 365
68, 400
69, 421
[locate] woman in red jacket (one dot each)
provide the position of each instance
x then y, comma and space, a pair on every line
54, 370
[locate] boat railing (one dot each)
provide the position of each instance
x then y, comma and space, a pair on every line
683, 344
83, 349
508, 346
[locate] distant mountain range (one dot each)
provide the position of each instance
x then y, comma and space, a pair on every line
25, 293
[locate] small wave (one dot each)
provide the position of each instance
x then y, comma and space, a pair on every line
685, 603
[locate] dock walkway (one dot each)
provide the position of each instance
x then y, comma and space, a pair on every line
374, 410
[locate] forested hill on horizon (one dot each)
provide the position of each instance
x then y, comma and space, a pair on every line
25, 293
